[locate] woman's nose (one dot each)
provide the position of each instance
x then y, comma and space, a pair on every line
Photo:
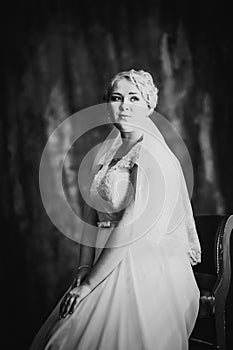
125, 105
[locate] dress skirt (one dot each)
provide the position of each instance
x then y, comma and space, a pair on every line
149, 301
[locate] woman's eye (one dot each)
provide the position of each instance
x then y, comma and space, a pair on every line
134, 98
115, 98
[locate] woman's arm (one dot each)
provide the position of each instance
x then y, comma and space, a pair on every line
108, 260
87, 252
86, 258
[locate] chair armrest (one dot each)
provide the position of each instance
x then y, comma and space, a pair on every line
223, 262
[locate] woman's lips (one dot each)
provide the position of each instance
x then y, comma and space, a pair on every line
124, 116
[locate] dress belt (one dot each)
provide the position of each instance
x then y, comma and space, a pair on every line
107, 224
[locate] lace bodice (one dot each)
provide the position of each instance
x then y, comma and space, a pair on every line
113, 184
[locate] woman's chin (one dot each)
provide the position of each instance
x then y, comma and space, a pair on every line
124, 126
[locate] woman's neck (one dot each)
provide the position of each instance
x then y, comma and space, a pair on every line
127, 144
130, 138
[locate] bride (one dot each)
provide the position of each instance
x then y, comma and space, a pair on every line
134, 288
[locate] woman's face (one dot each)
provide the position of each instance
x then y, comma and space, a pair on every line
126, 105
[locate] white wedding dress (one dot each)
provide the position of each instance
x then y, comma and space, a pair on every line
150, 300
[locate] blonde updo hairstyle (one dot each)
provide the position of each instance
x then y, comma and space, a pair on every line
143, 81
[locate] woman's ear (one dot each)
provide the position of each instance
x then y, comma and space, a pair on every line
151, 110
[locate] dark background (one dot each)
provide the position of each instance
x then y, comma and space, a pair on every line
56, 58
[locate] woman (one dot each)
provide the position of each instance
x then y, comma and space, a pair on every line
134, 287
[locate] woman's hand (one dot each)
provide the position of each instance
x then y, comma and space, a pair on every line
72, 299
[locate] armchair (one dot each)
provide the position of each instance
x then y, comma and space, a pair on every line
213, 277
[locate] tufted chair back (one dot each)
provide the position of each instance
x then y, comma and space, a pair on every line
213, 277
